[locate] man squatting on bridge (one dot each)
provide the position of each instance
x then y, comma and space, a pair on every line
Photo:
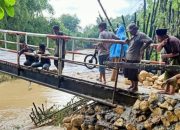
57, 31
25, 48
171, 45
137, 44
103, 49
45, 63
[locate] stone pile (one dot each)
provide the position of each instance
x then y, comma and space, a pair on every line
153, 112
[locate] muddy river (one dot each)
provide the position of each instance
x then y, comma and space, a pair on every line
17, 96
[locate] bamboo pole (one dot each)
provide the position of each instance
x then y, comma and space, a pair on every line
147, 24
125, 26
144, 23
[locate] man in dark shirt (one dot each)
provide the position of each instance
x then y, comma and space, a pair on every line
25, 48
56, 51
137, 44
171, 45
45, 63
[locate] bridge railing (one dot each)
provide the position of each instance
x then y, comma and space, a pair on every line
50, 36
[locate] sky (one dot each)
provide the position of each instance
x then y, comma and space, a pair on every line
87, 10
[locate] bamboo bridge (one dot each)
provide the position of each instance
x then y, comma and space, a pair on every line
105, 94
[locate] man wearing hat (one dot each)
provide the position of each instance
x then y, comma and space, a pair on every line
57, 31
171, 45
137, 44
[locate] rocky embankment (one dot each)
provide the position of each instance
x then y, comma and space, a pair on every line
153, 112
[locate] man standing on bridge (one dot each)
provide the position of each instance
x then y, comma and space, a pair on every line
57, 31
103, 49
137, 44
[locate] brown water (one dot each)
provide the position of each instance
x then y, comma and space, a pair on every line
16, 96
16, 99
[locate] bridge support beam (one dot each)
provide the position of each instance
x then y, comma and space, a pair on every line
79, 87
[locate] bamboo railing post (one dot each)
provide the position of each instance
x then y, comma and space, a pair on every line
144, 23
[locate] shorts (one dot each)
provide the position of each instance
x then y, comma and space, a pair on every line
131, 74
102, 59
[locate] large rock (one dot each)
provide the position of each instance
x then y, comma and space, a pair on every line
157, 111
77, 120
130, 126
177, 127
152, 97
91, 127
119, 122
177, 112
68, 126
150, 79
171, 117
127, 82
165, 105
165, 122
136, 105
147, 83
144, 105
142, 76
67, 120
119, 109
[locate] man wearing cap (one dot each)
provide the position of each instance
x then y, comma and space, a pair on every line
137, 44
56, 51
171, 45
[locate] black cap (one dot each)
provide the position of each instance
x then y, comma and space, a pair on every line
56, 27
161, 32
102, 25
42, 46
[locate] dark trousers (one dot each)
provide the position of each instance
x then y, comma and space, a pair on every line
44, 66
131, 74
56, 62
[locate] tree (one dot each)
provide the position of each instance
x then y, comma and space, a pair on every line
8, 7
70, 22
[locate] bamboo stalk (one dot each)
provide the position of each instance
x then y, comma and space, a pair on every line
135, 18
147, 24
144, 24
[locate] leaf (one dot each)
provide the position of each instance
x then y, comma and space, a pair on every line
9, 2
1, 13
10, 11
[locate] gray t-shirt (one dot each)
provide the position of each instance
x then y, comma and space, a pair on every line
103, 48
136, 45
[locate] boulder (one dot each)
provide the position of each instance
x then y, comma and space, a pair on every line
119, 109
136, 105
171, 101
144, 105
165, 122
77, 120
141, 118
119, 122
157, 111
91, 127
68, 126
170, 116
150, 79
74, 128
165, 105
147, 83
155, 77
127, 82
130, 126
177, 112
67, 120
152, 97
148, 125
84, 127
177, 126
